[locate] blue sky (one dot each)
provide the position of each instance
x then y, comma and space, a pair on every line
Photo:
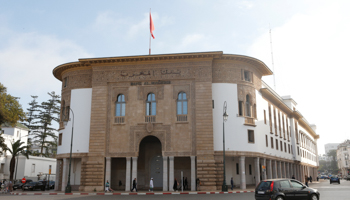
310, 43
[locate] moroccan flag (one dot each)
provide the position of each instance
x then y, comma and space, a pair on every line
151, 25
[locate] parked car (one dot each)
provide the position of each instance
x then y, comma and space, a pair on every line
50, 185
19, 184
334, 179
33, 186
347, 178
284, 189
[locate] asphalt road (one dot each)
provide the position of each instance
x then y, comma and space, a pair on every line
328, 191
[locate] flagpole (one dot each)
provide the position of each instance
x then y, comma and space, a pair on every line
150, 33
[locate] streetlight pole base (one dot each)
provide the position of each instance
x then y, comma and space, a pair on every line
224, 188
68, 189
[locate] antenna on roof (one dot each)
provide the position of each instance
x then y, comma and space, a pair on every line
273, 65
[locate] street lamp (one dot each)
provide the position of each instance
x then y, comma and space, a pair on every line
225, 116
68, 187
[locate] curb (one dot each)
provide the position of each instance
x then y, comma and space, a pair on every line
131, 193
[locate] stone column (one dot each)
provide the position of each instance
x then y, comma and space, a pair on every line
171, 173
242, 172
264, 172
134, 169
287, 170
257, 171
127, 176
275, 169
193, 173
108, 171
284, 170
269, 174
57, 178
165, 173
65, 173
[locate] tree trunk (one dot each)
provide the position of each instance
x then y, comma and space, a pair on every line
12, 167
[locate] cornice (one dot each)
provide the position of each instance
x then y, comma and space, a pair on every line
261, 66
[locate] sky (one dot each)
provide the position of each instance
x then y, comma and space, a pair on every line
310, 44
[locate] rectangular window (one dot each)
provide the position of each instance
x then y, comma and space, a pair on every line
65, 82
275, 120
276, 144
288, 148
250, 136
281, 145
284, 130
298, 151
33, 168
17, 133
237, 168
240, 108
285, 147
271, 142
247, 76
279, 123
265, 116
60, 139
267, 142
250, 169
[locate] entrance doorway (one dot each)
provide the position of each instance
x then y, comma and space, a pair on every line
150, 163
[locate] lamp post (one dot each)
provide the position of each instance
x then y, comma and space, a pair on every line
68, 187
225, 116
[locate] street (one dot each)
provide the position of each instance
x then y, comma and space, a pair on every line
327, 191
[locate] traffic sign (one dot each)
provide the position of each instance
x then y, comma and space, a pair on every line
24, 180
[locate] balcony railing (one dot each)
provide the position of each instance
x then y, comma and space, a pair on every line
150, 118
181, 118
119, 120
249, 121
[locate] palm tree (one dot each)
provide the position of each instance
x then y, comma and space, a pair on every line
16, 150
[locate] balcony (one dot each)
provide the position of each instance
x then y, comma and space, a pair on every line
249, 121
150, 118
181, 118
119, 120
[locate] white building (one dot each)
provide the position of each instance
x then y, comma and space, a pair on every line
32, 168
343, 158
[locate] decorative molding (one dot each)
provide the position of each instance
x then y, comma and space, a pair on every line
181, 88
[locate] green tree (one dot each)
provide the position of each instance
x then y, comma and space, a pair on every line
16, 149
10, 109
49, 112
31, 115
2, 143
333, 166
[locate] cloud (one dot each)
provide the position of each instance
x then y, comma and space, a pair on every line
310, 54
27, 61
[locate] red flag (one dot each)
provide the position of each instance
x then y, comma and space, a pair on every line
151, 25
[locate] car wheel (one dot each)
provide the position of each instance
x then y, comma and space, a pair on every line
314, 197
279, 198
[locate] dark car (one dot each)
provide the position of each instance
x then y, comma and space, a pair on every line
334, 179
50, 185
284, 189
19, 184
33, 186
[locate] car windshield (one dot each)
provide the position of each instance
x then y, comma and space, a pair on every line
264, 185
31, 183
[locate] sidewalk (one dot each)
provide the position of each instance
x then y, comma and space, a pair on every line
234, 191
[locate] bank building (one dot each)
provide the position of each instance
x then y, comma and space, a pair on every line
157, 116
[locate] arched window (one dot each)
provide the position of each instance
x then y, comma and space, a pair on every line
182, 104
247, 108
120, 106
151, 104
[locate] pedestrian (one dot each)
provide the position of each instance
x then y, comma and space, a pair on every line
134, 185
44, 185
231, 183
107, 186
198, 183
151, 185
310, 179
306, 181
186, 184
293, 176
317, 178
175, 185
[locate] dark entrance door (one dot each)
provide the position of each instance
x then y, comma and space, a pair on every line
150, 163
